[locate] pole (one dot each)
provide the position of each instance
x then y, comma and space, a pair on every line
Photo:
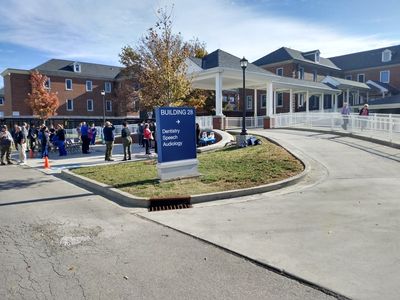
104, 109
244, 104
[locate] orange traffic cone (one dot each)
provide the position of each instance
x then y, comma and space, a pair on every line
30, 153
46, 163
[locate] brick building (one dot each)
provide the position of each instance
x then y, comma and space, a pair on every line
369, 76
79, 88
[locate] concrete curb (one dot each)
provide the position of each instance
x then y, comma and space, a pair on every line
126, 199
348, 134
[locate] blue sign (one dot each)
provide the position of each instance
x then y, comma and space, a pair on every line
176, 133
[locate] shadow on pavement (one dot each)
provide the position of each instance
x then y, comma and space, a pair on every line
45, 199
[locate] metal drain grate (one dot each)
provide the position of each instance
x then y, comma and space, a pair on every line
158, 204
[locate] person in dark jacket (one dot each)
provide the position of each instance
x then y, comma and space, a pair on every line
108, 133
61, 140
126, 140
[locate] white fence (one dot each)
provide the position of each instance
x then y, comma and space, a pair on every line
381, 126
251, 122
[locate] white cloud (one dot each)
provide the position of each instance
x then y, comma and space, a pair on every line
96, 30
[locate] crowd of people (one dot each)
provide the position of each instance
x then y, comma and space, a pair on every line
29, 138
38, 141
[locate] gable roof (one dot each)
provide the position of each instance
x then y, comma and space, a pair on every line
284, 53
366, 59
59, 67
222, 59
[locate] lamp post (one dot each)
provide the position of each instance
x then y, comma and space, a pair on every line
103, 93
243, 64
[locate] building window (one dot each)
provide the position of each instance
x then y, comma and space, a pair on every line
279, 100
107, 87
249, 102
386, 55
301, 73
263, 101
348, 77
108, 105
300, 102
68, 84
1, 100
1, 114
225, 98
279, 71
385, 76
70, 105
77, 67
89, 86
15, 113
361, 77
47, 83
90, 105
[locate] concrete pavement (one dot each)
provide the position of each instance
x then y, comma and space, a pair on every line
58, 241
338, 228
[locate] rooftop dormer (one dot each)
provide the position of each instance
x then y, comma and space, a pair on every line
77, 67
312, 55
386, 55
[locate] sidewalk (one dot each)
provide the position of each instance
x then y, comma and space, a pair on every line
73, 160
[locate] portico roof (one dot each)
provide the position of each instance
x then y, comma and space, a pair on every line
203, 73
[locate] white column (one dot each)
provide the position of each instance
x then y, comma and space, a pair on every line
367, 96
335, 102
348, 96
218, 94
321, 102
270, 99
307, 101
255, 104
358, 97
275, 101
290, 101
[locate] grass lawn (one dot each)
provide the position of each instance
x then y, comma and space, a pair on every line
227, 169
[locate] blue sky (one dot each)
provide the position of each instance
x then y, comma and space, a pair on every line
33, 31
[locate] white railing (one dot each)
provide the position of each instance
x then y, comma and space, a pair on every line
205, 122
251, 122
380, 126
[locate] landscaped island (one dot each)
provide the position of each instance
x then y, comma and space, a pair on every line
223, 170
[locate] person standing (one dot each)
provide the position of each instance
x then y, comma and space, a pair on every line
20, 140
93, 129
147, 137
198, 130
126, 140
44, 140
61, 140
345, 114
108, 133
364, 113
141, 128
85, 138
32, 137
6, 141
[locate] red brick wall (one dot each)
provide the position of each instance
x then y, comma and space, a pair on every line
374, 74
6, 108
18, 87
79, 95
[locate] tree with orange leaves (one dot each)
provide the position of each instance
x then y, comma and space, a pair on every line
42, 102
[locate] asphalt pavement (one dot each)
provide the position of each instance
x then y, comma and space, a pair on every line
58, 241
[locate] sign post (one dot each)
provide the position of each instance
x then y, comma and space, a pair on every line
176, 142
